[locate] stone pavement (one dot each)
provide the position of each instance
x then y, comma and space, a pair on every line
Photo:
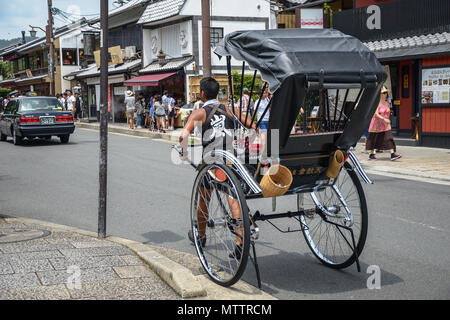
46, 261
41, 262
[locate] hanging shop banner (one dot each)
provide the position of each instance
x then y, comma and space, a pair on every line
436, 85
114, 56
311, 19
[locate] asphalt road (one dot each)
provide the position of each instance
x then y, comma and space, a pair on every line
149, 197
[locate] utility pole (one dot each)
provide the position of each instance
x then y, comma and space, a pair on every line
103, 161
206, 38
50, 42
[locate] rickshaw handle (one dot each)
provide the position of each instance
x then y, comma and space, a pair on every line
179, 149
362, 173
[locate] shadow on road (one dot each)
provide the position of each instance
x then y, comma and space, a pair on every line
40, 142
302, 273
159, 237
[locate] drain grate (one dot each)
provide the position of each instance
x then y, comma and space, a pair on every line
20, 235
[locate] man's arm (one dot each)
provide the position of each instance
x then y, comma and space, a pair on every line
197, 115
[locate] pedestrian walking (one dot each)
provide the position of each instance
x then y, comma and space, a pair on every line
171, 110
148, 119
70, 102
160, 113
140, 107
380, 135
78, 107
245, 102
130, 103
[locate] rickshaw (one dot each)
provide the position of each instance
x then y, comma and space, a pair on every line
315, 164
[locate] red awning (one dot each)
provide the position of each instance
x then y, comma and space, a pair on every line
151, 80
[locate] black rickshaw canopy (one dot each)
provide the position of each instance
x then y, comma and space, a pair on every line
292, 61
280, 53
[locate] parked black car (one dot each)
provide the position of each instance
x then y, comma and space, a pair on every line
31, 117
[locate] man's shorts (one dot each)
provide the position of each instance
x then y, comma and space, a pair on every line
264, 125
130, 114
172, 114
77, 114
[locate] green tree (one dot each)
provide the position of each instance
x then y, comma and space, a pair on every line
237, 77
6, 68
4, 92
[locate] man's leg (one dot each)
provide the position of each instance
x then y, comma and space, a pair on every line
236, 214
202, 211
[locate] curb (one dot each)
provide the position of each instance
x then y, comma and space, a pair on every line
175, 275
178, 277
406, 172
154, 135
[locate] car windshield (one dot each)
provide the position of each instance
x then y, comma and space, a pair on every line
39, 104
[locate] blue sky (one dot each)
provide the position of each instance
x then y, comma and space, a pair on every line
17, 15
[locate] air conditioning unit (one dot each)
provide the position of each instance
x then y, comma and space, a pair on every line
130, 52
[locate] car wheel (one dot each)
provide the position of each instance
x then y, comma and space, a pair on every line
3, 137
65, 138
16, 139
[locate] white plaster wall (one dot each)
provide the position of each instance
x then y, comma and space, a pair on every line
152, 41
228, 27
147, 47
230, 8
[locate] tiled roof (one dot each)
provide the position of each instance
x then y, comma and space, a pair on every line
126, 6
93, 71
409, 42
171, 65
161, 10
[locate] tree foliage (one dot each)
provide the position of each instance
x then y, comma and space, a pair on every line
237, 77
4, 92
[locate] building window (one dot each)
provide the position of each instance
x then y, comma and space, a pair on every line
216, 36
21, 64
69, 57
35, 62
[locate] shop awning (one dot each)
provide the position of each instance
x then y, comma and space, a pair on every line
151, 80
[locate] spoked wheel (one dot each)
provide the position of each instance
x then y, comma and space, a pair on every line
220, 224
327, 234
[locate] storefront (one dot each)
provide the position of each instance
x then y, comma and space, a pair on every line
412, 41
420, 88
118, 74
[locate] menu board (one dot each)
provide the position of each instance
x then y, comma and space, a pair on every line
436, 85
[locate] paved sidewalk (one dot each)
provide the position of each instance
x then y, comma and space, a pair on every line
46, 261
421, 162
38, 262
123, 128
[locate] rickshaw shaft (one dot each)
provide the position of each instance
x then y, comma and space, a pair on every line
263, 217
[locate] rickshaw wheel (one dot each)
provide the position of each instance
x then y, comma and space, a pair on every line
326, 240
219, 255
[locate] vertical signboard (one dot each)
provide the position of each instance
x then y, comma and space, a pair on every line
311, 19
436, 86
